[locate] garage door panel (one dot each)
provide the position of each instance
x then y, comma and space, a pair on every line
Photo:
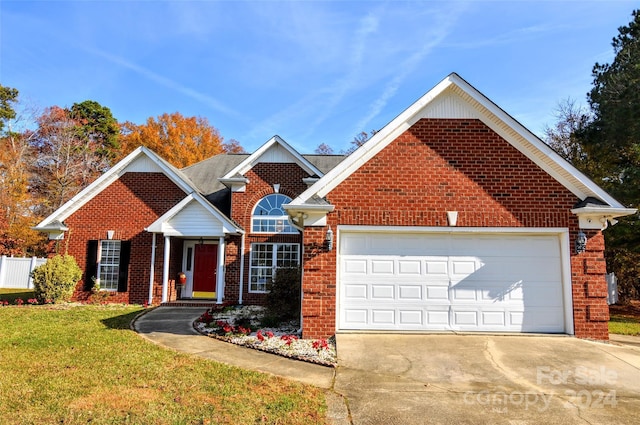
384, 267
436, 293
411, 318
354, 266
409, 267
382, 292
383, 317
355, 291
442, 282
410, 292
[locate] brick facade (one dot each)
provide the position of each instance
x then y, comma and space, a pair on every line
127, 206
435, 166
461, 165
261, 178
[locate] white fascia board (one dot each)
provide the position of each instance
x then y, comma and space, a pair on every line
158, 225
252, 159
115, 172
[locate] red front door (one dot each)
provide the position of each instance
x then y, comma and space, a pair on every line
205, 269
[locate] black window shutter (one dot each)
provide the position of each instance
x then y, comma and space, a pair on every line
123, 275
91, 266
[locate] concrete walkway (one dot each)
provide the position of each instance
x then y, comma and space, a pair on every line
443, 378
172, 328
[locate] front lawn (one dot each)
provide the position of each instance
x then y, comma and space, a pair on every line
10, 295
624, 325
625, 318
82, 364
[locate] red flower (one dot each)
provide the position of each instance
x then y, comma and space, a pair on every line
260, 336
320, 344
270, 334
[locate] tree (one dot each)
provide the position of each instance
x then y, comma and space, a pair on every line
72, 147
233, 146
324, 149
98, 127
612, 142
563, 137
359, 140
180, 140
16, 156
614, 133
8, 96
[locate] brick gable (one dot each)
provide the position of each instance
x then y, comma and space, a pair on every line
127, 206
441, 165
261, 178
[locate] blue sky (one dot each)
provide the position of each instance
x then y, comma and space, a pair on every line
311, 72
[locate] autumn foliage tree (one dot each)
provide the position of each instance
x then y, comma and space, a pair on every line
180, 140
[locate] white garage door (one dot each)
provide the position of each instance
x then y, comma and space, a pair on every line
464, 282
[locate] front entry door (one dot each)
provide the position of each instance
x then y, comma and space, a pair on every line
205, 269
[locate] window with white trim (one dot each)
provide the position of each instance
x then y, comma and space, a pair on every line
109, 264
266, 258
269, 216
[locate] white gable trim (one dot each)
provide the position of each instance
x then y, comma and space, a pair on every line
213, 223
141, 159
255, 157
468, 102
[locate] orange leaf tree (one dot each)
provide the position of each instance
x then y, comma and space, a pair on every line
180, 140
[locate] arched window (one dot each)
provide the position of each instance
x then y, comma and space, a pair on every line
269, 216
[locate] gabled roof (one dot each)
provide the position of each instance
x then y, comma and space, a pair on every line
453, 97
274, 150
205, 174
194, 216
142, 160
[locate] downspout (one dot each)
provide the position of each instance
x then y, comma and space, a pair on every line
152, 271
241, 269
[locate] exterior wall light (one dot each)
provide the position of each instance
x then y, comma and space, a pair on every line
581, 242
328, 239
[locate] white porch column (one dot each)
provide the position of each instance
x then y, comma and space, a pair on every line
165, 269
221, 269
152, 271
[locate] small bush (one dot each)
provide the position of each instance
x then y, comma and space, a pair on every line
283, 299
55, 280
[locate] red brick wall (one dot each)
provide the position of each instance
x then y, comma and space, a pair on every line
449, 165
128, 205
261, 177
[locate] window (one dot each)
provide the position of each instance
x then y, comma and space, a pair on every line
266, 258
109, 265
269, 216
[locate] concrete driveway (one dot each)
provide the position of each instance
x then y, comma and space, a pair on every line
460, 379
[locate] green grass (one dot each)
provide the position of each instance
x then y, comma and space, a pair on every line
73, 365
11, 294
624, 325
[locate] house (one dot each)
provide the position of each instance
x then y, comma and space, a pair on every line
452, 217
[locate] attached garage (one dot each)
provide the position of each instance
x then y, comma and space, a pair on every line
461, 279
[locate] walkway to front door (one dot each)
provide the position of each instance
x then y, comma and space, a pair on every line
205, 270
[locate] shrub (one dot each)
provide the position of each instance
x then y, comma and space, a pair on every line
55, 280
283, 299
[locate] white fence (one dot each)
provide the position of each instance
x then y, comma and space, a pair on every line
16, 272
612, 288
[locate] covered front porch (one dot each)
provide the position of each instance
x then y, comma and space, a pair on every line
193, 235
